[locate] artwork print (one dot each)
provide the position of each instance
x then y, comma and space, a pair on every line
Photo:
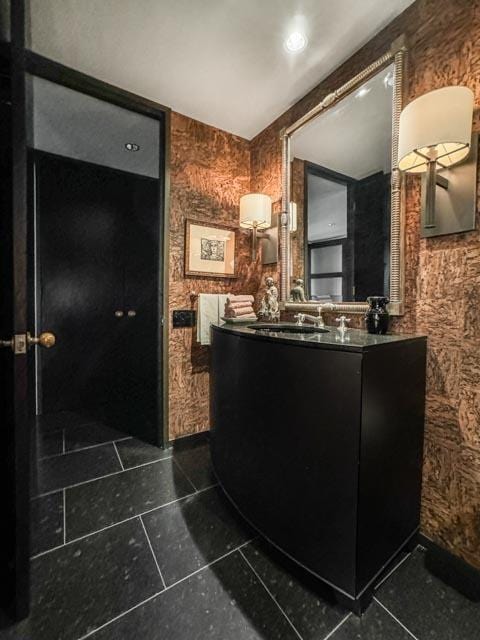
213, 249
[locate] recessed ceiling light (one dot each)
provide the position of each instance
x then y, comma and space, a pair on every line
295, 42
361, 93
132, 146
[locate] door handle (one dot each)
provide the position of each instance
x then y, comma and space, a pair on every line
22, 341
46, 339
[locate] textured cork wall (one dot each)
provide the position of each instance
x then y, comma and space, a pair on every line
210, 171
442, 274
298, 196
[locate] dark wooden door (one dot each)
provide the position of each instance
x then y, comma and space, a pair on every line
16, 409
79, 213
97, 251
142, 374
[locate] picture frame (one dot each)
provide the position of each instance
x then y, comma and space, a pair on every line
210, 249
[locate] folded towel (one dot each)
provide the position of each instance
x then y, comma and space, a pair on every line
237, 313
249, 316
231, 298
210, 310
238, 305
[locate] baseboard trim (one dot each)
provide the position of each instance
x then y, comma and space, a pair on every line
189, 440
451, 569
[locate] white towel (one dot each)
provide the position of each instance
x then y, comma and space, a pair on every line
210, 310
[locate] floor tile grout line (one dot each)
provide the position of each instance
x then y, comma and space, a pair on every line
153, 552
395, 618
270, 593
90, 446
337, 627
159, 593
184, 472
114, 524
397, 566
107, 475
64, 516
121, 615
145, 464
205, 566
118, 456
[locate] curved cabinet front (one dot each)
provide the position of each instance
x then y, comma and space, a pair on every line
320, 450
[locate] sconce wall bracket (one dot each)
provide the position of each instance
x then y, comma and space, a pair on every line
455, 197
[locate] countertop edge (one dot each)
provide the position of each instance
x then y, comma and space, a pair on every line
298, 341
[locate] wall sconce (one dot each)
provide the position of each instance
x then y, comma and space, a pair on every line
293, 217
255, 214
436, 135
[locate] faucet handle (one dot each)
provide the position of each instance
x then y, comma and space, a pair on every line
320, 322
299, 317
343, 322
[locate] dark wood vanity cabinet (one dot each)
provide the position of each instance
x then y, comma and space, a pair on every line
319, 446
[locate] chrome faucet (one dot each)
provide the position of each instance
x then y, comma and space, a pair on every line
317, 320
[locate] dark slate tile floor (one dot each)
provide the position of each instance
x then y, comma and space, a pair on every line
74, 467
89, 435
150, 548
50, 443
191, 533
100, 503
47, 522
134, 452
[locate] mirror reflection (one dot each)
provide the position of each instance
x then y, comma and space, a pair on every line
340, 197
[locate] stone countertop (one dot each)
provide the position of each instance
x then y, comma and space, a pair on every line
354, 340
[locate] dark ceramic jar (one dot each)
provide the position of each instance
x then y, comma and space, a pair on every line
377, 318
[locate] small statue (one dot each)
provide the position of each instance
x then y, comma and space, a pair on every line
269, 307
297, 293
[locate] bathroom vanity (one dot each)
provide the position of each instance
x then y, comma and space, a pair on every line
317, 439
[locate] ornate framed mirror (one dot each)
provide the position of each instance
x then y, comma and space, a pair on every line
342, 222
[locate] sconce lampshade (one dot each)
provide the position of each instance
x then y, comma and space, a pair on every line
255, 211
293, 217
436, 126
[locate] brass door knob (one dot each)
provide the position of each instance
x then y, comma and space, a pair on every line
45, 339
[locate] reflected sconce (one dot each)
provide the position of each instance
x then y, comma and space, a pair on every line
435, 139
293, 217
255, 214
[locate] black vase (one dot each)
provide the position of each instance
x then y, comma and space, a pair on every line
377, 318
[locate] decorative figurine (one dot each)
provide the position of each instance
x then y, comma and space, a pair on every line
269, 307
297, 293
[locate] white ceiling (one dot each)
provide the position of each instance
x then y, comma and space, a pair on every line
75, 125
219, 61
355, 136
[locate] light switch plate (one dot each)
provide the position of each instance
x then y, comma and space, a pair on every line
183, 318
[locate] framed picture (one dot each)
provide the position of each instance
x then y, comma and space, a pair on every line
210, 249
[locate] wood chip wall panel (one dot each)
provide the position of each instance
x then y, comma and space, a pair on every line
442, 279
210, 171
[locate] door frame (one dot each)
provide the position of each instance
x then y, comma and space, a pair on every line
311, 168
40, 66
16, 402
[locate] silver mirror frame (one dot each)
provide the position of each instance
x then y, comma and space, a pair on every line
397, 55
